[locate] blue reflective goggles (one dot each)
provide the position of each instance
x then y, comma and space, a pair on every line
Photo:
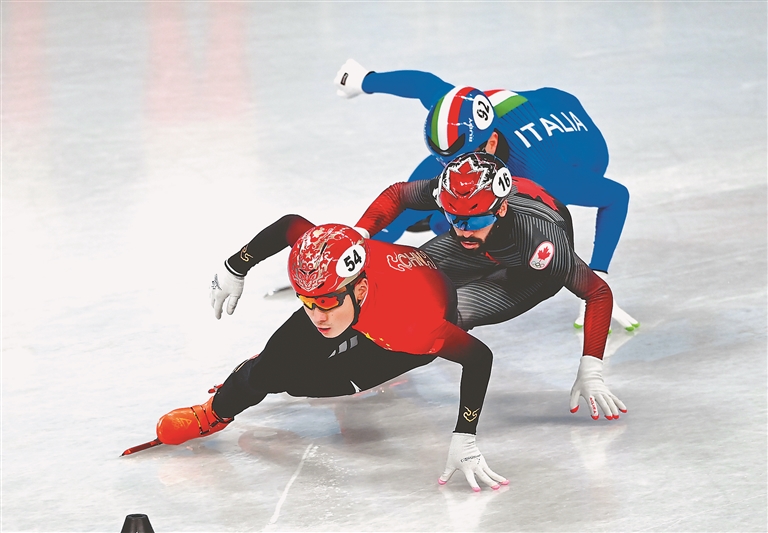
470, 223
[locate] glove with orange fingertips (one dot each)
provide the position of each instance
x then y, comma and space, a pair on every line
590, 386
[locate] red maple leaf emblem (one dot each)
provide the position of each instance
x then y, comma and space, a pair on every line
543, 253
534, 190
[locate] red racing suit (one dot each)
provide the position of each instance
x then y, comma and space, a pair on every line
408, 311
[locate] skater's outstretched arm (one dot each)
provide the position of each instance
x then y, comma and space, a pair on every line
394, 200
463, 454
424, 86
228, 287
353, 79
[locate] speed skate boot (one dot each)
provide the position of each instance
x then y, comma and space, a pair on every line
181, 425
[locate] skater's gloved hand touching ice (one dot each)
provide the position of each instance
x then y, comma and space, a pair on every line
590, 386
226, 286
464, 455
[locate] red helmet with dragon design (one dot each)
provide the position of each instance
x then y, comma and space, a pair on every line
326, 258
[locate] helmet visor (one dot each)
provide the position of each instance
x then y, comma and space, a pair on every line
470, 223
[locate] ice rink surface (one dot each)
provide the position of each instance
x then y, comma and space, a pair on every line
145, 142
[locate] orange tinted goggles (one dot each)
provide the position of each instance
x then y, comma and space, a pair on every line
326, 302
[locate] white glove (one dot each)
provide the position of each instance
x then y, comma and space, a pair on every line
349, 79
623, 318
226, 286
589, 385
618, 314
463, 455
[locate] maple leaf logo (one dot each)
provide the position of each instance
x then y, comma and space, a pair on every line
534, 191
542, 256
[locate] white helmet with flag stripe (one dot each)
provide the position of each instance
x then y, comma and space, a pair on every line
462, 120
459, 122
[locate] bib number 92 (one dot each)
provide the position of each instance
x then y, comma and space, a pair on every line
482, 110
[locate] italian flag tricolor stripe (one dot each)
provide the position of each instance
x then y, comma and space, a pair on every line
504, 101
445, 120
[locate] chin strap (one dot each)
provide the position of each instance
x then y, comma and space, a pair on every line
355, 303
495, 229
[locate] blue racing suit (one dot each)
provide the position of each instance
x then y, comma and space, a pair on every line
545, 136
